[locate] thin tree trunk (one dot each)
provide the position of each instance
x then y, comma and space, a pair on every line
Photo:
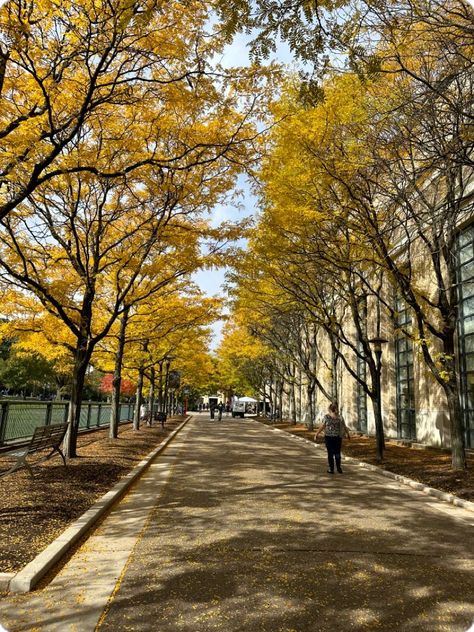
151, 399
293, 397
300, 398
280, 399
117, 379
160, 387
275, 400
310, 393
270, 398
376, 397
139, 400
167, 371
334, 377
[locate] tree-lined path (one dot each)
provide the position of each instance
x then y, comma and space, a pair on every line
248, 533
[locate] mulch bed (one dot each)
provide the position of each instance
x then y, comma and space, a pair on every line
429, 466
33, 512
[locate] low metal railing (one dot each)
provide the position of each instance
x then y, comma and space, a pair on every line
18, 419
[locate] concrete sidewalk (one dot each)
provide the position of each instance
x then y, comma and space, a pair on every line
237, 528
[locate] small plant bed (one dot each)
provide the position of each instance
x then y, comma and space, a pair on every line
33, 512
428, 466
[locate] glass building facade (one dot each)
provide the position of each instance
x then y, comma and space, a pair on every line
406, 414
466, 329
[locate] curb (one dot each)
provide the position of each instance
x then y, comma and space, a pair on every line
27, 578
429, 491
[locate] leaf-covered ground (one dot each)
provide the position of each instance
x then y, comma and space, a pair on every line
429, 466
34, 512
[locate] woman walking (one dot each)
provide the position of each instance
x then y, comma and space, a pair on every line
334, 429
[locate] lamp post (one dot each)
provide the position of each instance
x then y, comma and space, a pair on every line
377, 343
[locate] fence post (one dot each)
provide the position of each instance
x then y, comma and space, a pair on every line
99, 406
49, 412
3, 422
89, 405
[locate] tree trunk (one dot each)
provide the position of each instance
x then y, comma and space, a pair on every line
151, 399
139, 400
293, 398
376, 397
165, 396
453, 397
81, 362
458, 452
160, 387
300, 396
334, 376
310, 393
280, 399
117, 379
275, 400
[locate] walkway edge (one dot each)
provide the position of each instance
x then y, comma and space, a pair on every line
430, 491
26, 579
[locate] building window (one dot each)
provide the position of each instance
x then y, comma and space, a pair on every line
466, 329
406, 417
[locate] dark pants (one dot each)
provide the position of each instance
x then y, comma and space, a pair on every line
333, 446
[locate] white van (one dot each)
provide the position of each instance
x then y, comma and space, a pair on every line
238, 409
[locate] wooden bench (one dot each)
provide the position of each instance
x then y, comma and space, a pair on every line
44, 438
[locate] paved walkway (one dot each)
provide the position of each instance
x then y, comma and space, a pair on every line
243, 531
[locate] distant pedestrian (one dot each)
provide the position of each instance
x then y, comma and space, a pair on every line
220, 408
213, 410
334, 429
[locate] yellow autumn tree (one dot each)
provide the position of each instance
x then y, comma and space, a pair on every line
92, 87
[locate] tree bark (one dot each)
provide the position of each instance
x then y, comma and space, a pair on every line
139, 400
310, 394
166, 380
160, 387
280, 399
293, 397
117, 379
151, 399
458, 453
81, 362
376, 398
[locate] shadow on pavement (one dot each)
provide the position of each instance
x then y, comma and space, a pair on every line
252, 534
